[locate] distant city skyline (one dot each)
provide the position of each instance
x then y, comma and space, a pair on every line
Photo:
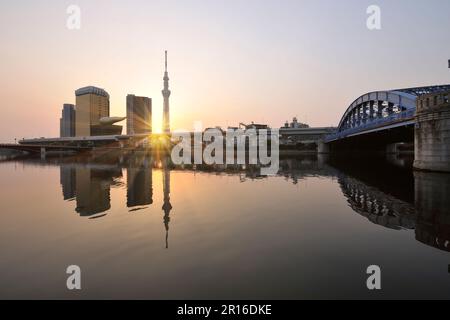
231, 61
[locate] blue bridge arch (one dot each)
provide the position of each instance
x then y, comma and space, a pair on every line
381, 110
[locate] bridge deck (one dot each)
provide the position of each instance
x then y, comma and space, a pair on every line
404, 118
37, 148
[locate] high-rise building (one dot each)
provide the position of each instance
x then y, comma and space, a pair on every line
92, 104
139, 115
166, 94
67, 121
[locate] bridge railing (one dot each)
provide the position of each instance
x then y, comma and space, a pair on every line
372, 124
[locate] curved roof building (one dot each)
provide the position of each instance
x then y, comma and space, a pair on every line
111, 120
91, 90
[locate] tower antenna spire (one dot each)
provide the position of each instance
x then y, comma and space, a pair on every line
166, 61
166, 95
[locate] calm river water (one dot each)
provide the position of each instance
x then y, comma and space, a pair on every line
140, 228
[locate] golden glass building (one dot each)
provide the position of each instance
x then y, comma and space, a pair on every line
139, 115
92, 104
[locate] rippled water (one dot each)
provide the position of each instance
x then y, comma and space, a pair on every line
141, 228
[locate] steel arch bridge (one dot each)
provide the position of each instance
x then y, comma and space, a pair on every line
381, 110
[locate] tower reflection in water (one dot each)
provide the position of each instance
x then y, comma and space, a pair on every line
167, 206
386, 191
88, 182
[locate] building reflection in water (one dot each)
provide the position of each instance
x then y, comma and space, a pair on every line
67, 180
384, 190
89, 181
89, 185
296, 169
93, 186
139, 182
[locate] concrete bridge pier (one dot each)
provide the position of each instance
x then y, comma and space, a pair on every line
43, 153
322, 147
432, 132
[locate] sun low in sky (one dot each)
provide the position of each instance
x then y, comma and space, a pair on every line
229, 61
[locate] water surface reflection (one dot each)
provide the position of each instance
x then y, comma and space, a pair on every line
384, 190
253, 236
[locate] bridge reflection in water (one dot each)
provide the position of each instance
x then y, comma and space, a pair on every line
386, 191
433, 205
377, 206
386, 199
